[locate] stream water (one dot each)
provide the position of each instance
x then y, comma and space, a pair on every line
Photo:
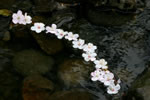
41, 67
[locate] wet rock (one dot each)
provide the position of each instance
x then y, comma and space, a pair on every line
73, 72
48, 44
108, 17
10, 85
29, 62
21, 32
44, 6
71, 95
37, 88
63, 17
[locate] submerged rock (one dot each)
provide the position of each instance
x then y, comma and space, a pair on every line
21, 32
37, 88
71, 95
74, 72
48, 44
63, 17
29, 62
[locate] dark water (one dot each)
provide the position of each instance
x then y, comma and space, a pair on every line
41, 67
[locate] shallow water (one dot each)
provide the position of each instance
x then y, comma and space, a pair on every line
38, 65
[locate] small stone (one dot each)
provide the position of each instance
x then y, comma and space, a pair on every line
29, 62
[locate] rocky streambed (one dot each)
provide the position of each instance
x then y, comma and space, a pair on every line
41, 67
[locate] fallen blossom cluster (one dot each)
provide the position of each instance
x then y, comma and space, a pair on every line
19, 18
101, 73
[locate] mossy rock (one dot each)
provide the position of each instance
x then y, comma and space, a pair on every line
29, 62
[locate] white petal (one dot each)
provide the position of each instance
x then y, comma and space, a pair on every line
15, 21
33, 28
94, 79
54, 26
19, 12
